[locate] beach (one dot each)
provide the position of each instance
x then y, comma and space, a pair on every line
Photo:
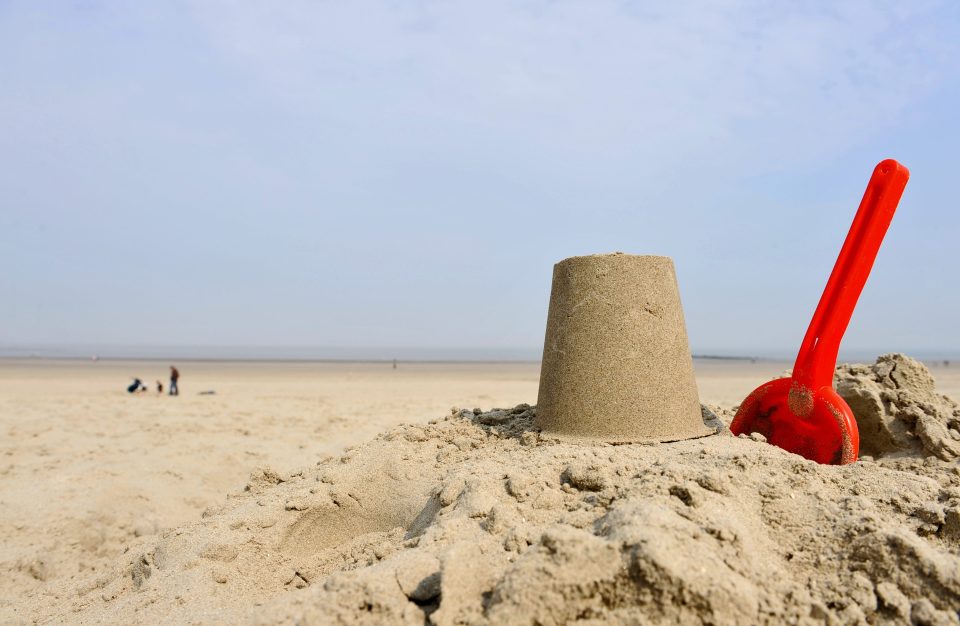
87, 470
85, 466
479, 314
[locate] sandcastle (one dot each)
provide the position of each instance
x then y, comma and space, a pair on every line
616, 361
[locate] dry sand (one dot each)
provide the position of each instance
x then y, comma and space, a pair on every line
86, 467
473, 519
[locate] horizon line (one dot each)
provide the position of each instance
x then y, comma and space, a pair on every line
206, 358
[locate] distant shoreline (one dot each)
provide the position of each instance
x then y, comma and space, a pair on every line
267, 359
374, 356
197, 359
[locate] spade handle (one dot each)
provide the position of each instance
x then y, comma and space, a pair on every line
817, 358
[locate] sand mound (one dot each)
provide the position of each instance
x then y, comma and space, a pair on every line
475, 519
898, 408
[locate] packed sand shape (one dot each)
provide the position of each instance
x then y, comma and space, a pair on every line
616, 362
474, 519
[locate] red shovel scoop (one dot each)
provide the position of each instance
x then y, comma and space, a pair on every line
804, 414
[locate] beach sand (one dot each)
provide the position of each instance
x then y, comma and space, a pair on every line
85, 466
90, 475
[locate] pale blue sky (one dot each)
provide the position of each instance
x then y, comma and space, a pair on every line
406, 173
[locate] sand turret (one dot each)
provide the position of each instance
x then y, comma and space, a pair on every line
616, 361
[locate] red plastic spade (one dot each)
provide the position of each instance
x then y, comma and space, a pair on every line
803, 413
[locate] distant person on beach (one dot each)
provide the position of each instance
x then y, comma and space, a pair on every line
174, 377
159, 387
135, 386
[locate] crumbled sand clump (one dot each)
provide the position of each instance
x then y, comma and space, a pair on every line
899, 410
476, 519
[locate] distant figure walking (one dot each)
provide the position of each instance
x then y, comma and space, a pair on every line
159, 387
174, 377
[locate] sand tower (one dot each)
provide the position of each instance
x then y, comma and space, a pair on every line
616, 361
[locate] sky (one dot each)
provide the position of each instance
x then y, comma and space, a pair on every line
381, 175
